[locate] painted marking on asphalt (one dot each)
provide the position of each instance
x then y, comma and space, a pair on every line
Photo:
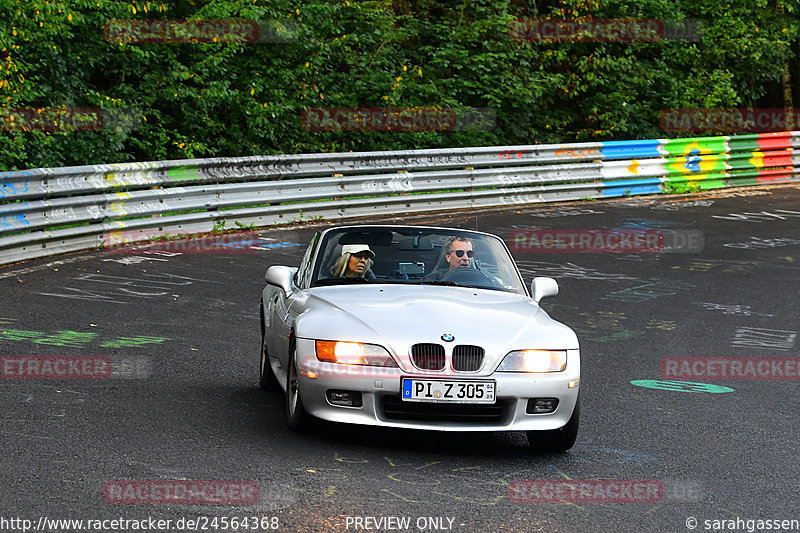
779, 214
731, 309
604, 326
649, 291
757, 243
680, 386
771, 339
76, 339
568, 270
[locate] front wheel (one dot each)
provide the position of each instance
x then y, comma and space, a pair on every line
296, 415
557, 440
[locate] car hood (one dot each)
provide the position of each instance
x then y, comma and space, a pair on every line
398, 316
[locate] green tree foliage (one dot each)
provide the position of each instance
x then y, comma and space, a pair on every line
197, 99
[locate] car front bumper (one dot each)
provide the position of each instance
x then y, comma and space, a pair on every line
381, 403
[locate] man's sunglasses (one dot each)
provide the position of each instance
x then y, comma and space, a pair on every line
460, 253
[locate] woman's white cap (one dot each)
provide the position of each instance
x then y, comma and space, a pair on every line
355, 248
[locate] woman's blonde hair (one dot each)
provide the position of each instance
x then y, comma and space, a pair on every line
339, 268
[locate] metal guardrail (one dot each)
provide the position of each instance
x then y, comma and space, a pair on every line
55, 210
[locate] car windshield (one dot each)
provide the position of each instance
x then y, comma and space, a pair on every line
415, 256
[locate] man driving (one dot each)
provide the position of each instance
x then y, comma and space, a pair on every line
457, 252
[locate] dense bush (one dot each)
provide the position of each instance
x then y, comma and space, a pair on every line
227, 99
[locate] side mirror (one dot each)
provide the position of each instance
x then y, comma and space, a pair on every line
542, 288
281, 276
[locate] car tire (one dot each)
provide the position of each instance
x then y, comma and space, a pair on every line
266, 379
557, 440
296, 415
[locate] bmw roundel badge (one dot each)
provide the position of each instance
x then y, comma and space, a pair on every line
446, 337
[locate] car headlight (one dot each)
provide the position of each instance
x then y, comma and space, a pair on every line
534, 361
353, 353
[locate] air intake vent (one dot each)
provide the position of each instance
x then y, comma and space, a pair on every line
427, 356
467, 358
396, 409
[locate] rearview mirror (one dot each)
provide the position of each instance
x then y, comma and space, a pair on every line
281, 276
543, 287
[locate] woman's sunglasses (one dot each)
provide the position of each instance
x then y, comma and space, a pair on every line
460, 253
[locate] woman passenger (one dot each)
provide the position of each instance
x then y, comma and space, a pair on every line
355, 262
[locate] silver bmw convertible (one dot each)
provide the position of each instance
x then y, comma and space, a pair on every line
418, 327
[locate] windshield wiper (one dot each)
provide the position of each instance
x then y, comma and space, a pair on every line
440, 282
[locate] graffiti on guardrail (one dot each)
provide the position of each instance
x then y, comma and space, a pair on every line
588, 153
11, 218
558, 172
12, 188
511, 154
399, 184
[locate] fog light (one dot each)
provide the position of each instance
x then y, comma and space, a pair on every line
344, 398
541, 405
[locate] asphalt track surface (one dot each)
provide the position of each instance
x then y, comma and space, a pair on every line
183, 401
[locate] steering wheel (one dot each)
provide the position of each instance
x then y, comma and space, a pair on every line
467, 276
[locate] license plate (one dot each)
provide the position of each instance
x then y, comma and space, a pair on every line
430, 390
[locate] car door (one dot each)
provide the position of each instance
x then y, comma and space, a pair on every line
286, 308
